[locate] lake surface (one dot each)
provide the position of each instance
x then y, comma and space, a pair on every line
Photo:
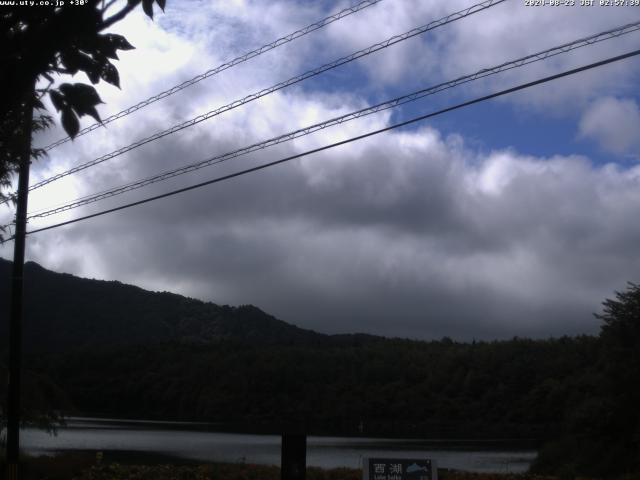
188, 441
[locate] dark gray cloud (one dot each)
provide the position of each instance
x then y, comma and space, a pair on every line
412, 236
405, 234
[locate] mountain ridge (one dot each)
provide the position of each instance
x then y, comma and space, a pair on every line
63, 311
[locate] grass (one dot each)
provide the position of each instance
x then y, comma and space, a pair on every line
140, 466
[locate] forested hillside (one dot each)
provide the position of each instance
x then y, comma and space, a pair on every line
519, 388
104, 348
65, 312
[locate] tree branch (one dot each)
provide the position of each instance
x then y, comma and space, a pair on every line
118, 16
107, 6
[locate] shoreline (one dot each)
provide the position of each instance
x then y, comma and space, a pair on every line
434, 442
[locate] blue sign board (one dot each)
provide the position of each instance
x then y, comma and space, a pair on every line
399, 469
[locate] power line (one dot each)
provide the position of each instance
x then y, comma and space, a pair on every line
214, 71
567, 47
299, 78
350, 140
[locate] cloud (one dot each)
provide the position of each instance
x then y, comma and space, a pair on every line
408, 233
613, 124
412, 234
505, 32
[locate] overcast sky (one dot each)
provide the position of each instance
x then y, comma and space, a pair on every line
518, 216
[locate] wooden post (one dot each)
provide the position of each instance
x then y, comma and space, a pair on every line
293, 464
15, 320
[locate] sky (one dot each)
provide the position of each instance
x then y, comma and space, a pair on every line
513, 217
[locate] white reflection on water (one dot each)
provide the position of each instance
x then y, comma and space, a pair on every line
175, 439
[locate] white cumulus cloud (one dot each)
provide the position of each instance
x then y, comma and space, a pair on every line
409, 233
614, 123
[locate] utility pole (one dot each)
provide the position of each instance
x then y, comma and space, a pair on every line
15, 320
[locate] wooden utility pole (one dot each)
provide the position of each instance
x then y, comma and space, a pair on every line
293, 463
15, 320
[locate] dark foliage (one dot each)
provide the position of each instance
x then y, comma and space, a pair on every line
118, 350
39, 394
63, 312
601, 434
38, 43
390, 387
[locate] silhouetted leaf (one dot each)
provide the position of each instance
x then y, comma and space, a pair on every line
109, 43
79, 93
147, 6
93, 76
82, 98
70, 122
121, 42
101, 59
110, 74
76, 61
41, 122
72, 45
69, 62
57, 99
107, 47
92, 112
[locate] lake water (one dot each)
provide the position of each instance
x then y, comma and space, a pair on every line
190, 442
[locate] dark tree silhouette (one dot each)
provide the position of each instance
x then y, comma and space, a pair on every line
621, 323
620, 335
37, 43
39, 395
602, 431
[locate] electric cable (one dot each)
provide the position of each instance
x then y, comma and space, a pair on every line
535, 57
279, 86
344, 142
214, 71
